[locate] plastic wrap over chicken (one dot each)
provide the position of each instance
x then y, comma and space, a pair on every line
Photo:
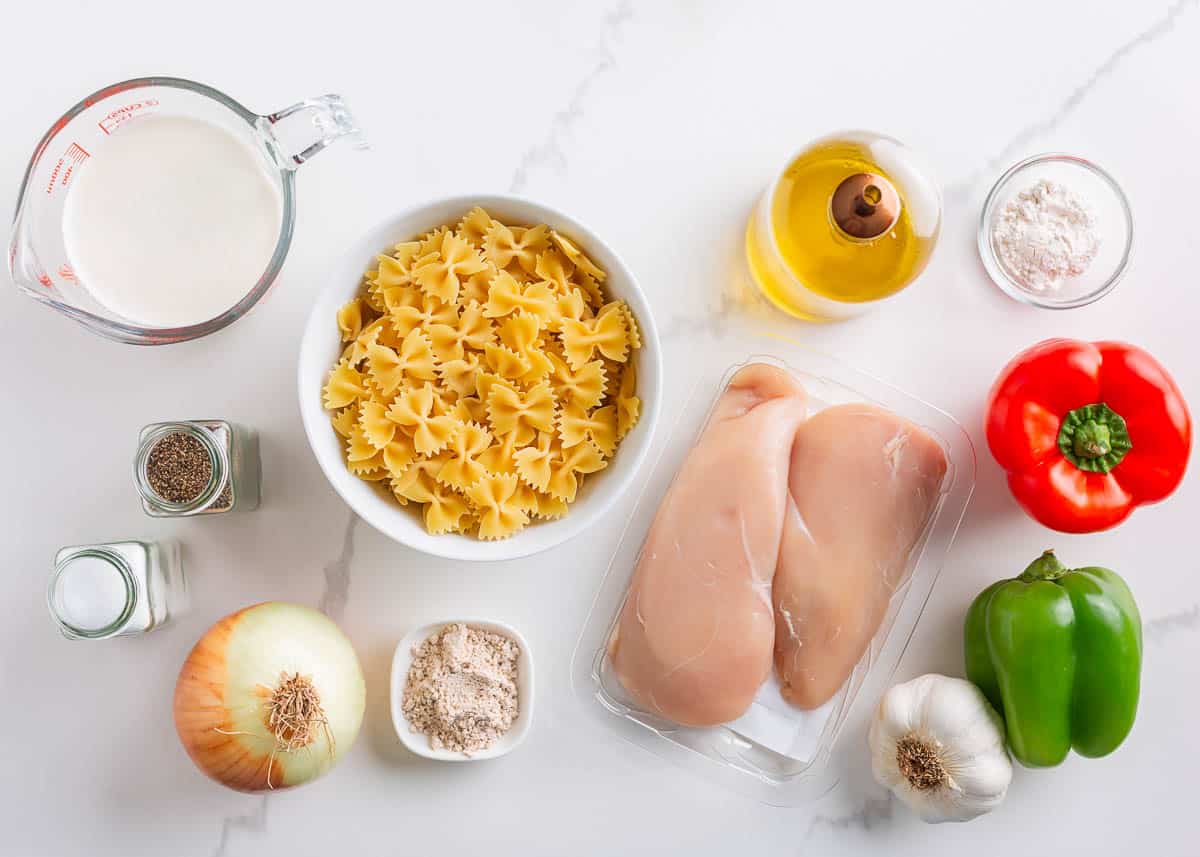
780, 540
863, 484
694, 640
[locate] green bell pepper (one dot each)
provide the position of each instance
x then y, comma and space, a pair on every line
1058, 652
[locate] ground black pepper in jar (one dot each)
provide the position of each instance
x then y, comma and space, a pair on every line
197, 467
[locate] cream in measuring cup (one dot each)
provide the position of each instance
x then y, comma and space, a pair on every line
172, 221
159, 210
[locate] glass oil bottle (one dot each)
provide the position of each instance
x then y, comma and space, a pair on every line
850, 221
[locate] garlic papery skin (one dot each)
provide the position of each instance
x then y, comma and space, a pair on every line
938, 744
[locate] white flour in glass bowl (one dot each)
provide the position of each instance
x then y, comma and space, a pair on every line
1045, 235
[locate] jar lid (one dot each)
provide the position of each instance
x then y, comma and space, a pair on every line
865, 206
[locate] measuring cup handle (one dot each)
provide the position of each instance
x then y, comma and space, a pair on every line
329, 118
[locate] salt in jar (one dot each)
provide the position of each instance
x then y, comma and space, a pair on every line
115, 588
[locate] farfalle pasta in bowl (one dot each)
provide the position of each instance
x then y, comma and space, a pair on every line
489, 386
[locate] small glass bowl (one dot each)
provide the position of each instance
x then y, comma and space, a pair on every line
1113, 217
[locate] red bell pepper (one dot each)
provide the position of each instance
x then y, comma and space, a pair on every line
1087, 432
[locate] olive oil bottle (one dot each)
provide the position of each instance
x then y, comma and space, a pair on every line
849, 222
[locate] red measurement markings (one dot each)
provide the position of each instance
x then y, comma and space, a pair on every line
67, 273
65, 167
125, 113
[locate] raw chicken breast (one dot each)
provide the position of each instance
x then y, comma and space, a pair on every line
863, 483
694, 639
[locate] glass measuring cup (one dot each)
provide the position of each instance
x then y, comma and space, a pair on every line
37, 255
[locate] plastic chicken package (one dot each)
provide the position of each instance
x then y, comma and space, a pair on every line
776, 580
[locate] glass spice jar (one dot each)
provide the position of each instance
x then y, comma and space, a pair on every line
196, 467
115, 589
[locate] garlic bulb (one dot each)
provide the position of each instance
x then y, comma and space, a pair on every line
938, 744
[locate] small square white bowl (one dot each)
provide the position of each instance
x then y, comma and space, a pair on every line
419, 743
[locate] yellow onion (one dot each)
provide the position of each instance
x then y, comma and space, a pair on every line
270, 697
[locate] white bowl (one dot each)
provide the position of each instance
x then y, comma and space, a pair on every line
419, 743
320, 349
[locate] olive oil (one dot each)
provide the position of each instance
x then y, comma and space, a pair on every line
849, 222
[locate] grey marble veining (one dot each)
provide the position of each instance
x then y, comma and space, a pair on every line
872, 813
1039, 128
254, 822
1162, 629
550, 151
337, 574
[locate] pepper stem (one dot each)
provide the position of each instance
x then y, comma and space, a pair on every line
1045, 567
1094, 438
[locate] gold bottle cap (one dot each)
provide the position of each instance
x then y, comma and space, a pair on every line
865, 206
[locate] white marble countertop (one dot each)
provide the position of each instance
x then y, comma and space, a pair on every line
658, 124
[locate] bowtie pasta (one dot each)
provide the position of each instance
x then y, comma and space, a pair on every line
484, 375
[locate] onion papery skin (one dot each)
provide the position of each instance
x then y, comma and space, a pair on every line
224, 689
